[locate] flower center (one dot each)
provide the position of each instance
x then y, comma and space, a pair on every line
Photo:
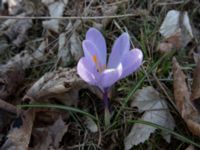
100, 68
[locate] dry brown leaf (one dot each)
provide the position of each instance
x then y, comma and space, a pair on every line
91, 125
196, 56
176, 30
164, 47
18, 137
3, 9
56, 9
108, 11
8, 107
64, 54
170, 43
17, 28
58, 87
17, 33
190, 147
69, 49
14, 6
155, 110
50, 137
12, 73
5, 121
11, 77
75, 47
47, 2
49, 115
181, 92
62, 85
182, 99
7, 113
26, 8
57, 131
196, 83
4, 44
9, 22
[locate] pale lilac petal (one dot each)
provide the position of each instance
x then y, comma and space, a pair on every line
131, 61
120, 47
87, 71
97, 38
110, 76
90, 50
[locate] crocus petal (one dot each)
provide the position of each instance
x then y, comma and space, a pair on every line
87, 71
97, 38
131, 61
120, 47
110, 76
91, 50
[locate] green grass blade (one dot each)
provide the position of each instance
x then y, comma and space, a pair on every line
67, 108
140, 83
177, 135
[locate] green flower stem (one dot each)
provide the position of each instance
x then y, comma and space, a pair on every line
107, 115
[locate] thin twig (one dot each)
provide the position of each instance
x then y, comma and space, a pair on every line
164, 91
112, 4
70, 18
171, 3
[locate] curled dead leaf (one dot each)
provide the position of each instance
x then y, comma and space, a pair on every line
196, 82
182, 99
58, 87
62, 85
181, 92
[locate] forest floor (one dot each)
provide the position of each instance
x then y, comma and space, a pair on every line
45, 105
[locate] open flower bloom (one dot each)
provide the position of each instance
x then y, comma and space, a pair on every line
94, 68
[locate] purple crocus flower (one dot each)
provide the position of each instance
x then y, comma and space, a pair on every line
94, 68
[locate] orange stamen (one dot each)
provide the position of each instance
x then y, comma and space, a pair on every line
98, 66
94, 57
